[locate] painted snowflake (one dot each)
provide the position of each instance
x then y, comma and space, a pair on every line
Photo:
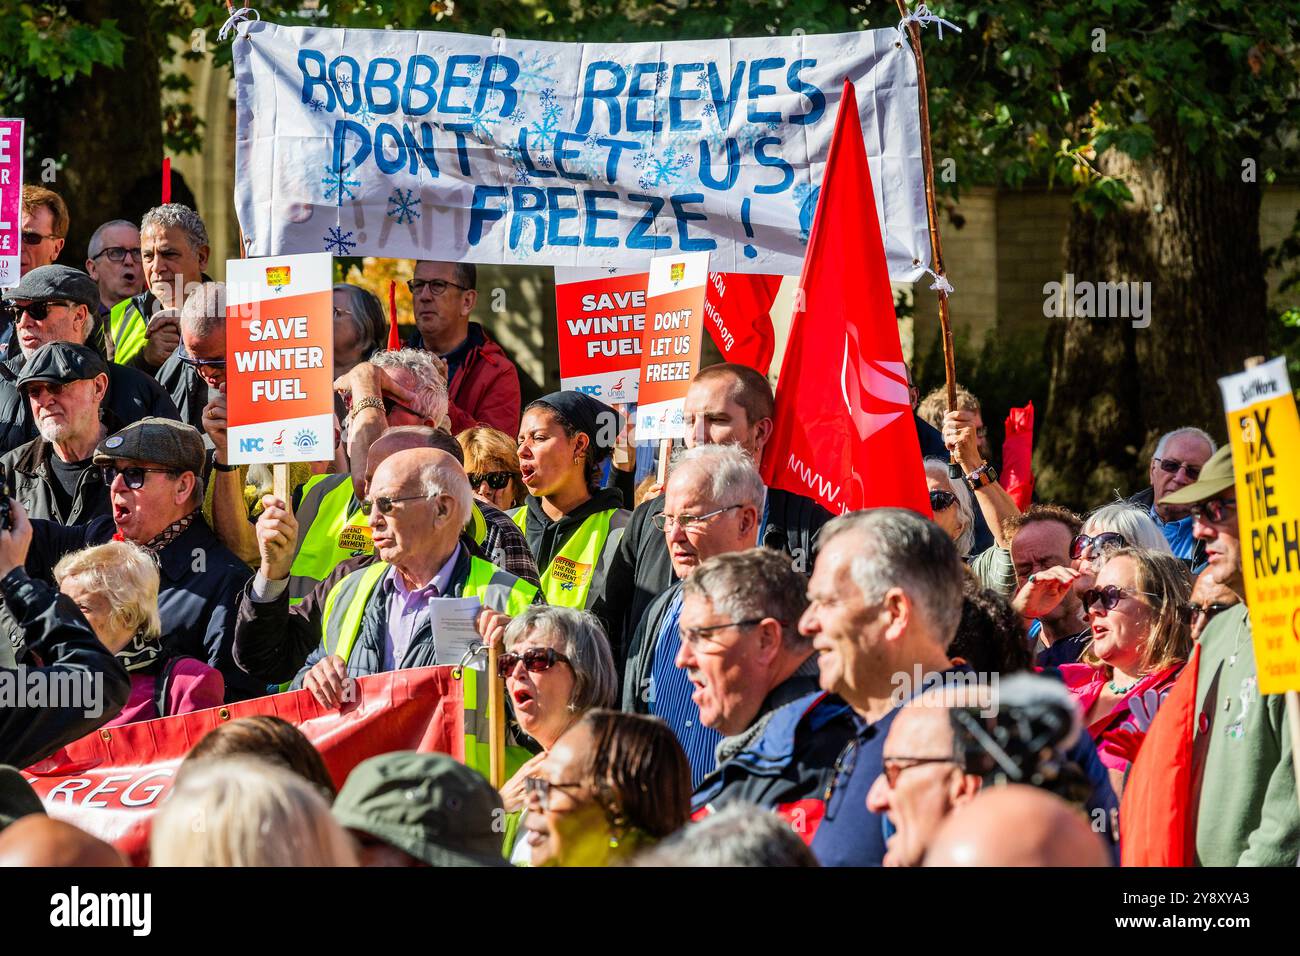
535, 73
543, 130
316, 106
804, 197
662, 169
481, 123
364, 116
338, 242
403, 206
338, 184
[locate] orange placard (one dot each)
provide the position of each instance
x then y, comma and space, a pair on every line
670, 342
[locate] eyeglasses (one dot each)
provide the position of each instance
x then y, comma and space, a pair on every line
118, 253
693, 635
942, 500
436, 286
1089, 546
543, 787
198, 363
392, 404
1171, 466
1214, 510
39, 311
1190, 611
687, 522
35, 238
1108, 597
496, 480
385, 505
133, 476
536, 660
894, 766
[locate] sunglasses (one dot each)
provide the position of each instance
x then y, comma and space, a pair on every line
133, 477
1108, 597
391, 403
197, 364
496, 480
1089, 546
543, 787
38, 311
118, 253
35, 238
1190, 611
36, 389
894, 766
942, 500
1214, 509
536, 660
1171, 466
436, 286
385, 505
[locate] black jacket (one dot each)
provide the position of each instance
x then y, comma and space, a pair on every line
187, 390
34, 487
74, 659
641, 569
547, 537
201, 581
131, 396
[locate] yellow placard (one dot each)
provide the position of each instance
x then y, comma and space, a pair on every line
1264, 428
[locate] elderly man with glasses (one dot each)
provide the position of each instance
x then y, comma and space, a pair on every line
482, 381
56, 304
1179, 457
113, 261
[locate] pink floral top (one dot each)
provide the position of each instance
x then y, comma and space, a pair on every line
1120, 733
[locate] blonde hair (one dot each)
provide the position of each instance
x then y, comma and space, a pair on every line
1169, 639
932, 408
490, 449
126, 574
243, 811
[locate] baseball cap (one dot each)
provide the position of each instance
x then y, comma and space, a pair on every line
61, 363
46, 283
428, 805
166, 441
1215, 478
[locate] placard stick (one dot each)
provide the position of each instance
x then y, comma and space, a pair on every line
665, 452
496, 720
280, 483
932, 217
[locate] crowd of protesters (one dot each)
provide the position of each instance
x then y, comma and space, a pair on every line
705, 671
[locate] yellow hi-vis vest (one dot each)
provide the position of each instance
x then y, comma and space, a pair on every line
566, 581
345, 608
126, 328
330, 532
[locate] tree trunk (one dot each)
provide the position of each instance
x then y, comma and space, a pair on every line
1115, 389
108, 127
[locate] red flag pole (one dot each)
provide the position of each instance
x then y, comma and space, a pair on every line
394, 340
931, 215
167, 180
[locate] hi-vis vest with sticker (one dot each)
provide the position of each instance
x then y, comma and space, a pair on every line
345, 608
328, 534
126, 328
566, 581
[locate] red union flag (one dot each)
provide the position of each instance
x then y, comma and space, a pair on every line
844, 434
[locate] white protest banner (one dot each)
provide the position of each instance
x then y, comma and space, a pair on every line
405, 144
280, 359
11, 201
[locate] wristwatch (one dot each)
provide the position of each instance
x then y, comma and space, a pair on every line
226, 468
985, 474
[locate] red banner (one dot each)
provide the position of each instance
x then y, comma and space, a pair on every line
1018, 456
738, 315
110, 781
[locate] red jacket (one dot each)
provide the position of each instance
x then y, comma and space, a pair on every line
485, 389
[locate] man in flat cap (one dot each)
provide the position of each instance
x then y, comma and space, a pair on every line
153, 469
53, 475
57, 304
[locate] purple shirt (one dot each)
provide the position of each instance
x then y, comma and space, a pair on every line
408, 610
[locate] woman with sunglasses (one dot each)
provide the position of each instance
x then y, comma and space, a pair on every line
612, 785
569, 520
492, 463
1113, 526
557, 666
1140, 642
953, 506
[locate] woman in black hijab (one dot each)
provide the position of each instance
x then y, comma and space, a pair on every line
573, 526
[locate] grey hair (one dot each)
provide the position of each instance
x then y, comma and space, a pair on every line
733, 477
1167, 437
1132, 522
938, 468
901, 549
96, 244
579, 636
756, 583
431, 388
175, 214
204, 310
739, 834
439, 478
366, 316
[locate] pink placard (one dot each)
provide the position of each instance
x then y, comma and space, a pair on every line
11, 196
